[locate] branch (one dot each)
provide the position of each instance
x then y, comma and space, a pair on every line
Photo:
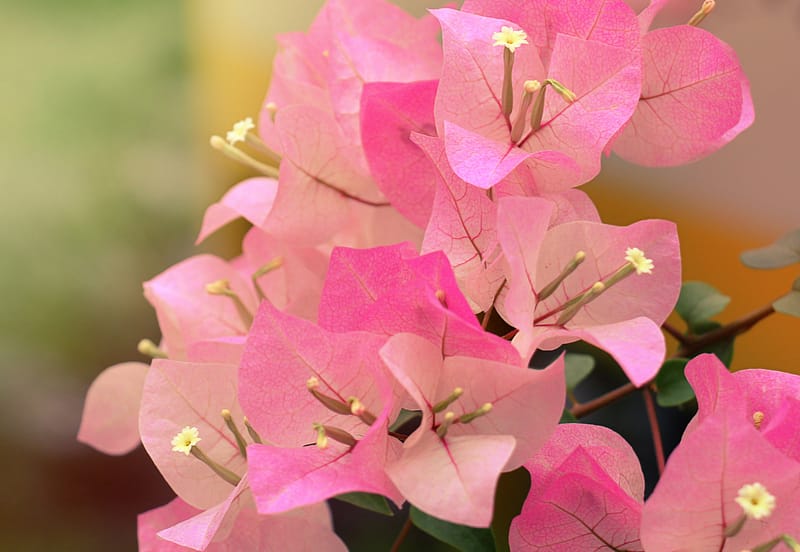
581, 410
675, 332
402, 535
652, 417
694, 344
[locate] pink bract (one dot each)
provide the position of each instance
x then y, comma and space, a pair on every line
462, 467
306, 530
281, 354
604, 74
180, 394
624, 319
586, 491
110, 421
695, 99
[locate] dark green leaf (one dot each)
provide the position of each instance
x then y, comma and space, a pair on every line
404, 417
567, 418
700, 301
368, 501
464, 538
577, 368
723, 349
784, 252
673, 388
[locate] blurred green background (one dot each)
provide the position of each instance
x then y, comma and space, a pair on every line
101, 190
106, 107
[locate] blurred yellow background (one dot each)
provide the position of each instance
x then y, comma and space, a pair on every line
106, 110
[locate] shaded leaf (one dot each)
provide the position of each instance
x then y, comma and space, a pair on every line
568, 417
368, 501
405, 417
673, 388
789, 303
577, 368
700, 301
460, 536
723, 349
784, 252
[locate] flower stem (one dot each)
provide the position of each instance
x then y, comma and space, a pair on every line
674, 332
401, 536
694, 344
583, 409
652, 417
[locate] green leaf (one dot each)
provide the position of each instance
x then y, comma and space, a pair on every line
700, 301
467, 539
723, 349
673, 387
789, 303
577, 368
368, 501
784, 252
567, 417
404, 417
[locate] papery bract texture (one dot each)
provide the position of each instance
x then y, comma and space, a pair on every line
187, 312
110, 421
462, 467
695, 99
306, 530
282, 354
694, 502
604, 75
180, 394
586, 493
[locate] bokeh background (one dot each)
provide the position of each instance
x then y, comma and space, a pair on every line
106, 108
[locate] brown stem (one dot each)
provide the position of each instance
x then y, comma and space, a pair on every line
581, 410
675, 332
402, 535
694, 344
486, 316
652, 417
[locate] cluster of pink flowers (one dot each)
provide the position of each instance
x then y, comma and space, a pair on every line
423, 181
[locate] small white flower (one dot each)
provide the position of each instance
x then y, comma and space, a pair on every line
636, 258
185, 440
240, 130
756, 501
510, 38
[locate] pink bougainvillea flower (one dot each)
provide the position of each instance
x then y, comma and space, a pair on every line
299, 383
320, 175
390, 112
588, 51
312, 113
768, 399
463, 223
586, 493
479, 418
695, 96
177, 527
190, 395
110, 421
290, 277
187, 312
695, 502
390, 290
251, 199
551, 305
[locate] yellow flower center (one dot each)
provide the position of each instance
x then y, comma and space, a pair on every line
185, 440
509, 38
756, 501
